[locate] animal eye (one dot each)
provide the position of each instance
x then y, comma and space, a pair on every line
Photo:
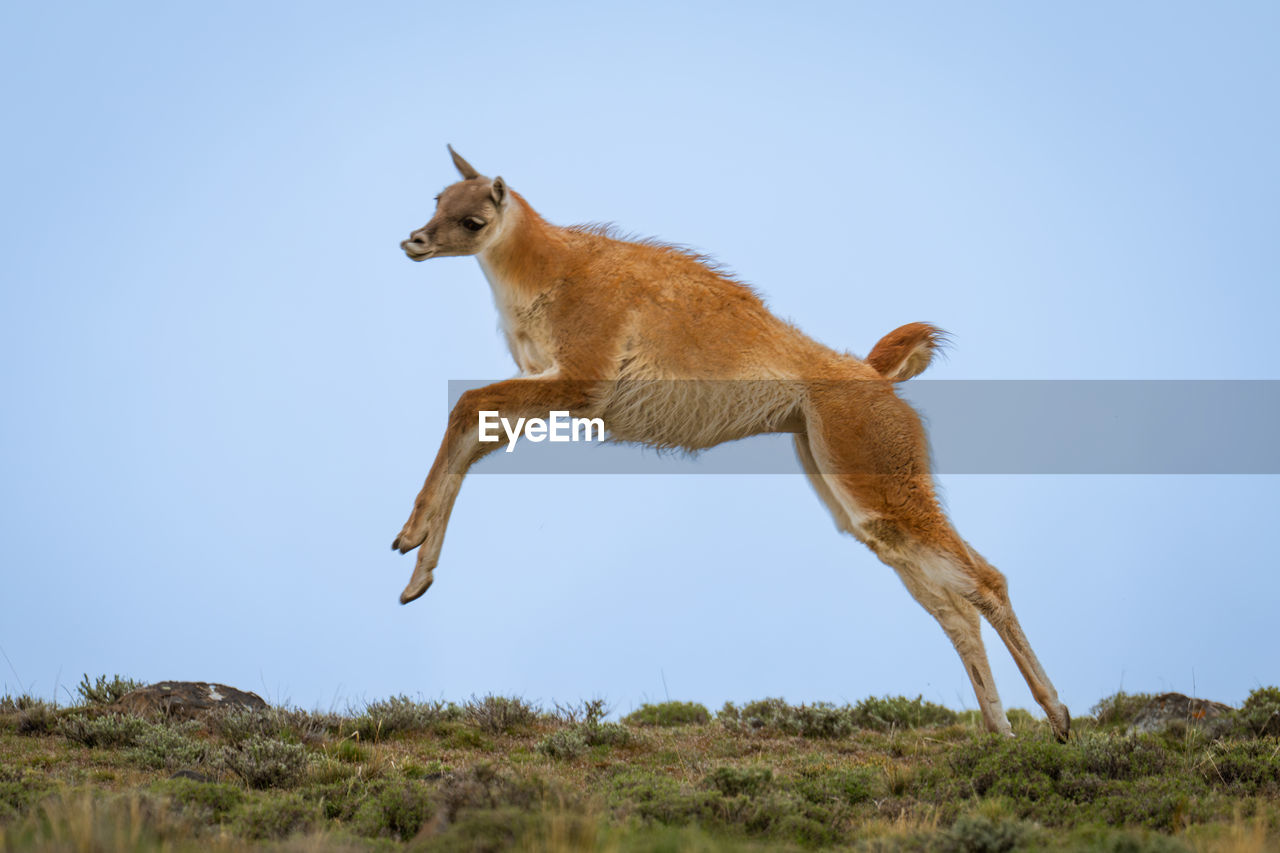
472, 223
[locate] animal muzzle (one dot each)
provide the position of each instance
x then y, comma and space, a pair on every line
417, 248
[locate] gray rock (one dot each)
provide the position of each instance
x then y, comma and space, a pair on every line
186, 699
1174, 708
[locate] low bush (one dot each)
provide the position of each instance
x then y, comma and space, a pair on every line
1120, 709
500, 714
605, 734
586, 729
104, 692
822, 720
402, 715
110, 730
732, 781
276, 818
1260, 714
980, 834
396, 810
669, 714
831, 785
170, 747
266, 763
208, 802
563, 744
20, 791
33, 716
899, 712
483, 786
1250, 767
288, 724
825, 720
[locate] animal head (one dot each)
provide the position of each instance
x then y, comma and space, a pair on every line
468, 219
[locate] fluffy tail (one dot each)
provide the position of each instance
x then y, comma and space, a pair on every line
906, 351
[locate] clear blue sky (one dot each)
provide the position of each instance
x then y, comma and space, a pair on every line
222, 383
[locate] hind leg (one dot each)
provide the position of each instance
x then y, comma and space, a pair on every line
992, 599
866, 453
957, 616
960, 620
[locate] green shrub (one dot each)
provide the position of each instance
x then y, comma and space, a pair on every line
20, 791
395, 810
669, 714
484, 787
492, 830
104, 692
586, 711
803, 830
336, 799
732, 781
207, 802
822, 720
1021, 719
563, 744
1017, 768
500, 714
1167, 803
34, 716
573, 741
1260, 714
400, 714
979, 834
457, 736
1131, 757
761, 714
431, 770
1120, 709
605, 734
825, 720
170, 747
349, 751
111, 730
288, 724
1250, 767
899, 712
277, 817
265, 763
1128, 841
828, 785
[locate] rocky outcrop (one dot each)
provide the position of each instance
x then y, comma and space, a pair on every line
185, 699
1175, 708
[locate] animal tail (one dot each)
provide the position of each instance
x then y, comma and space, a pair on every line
906, 351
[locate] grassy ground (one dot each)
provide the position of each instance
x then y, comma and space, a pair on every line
497, 774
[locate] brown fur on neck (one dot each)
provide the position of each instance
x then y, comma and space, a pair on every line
530, 256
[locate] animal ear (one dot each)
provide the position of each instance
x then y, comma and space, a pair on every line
498, 191
464, 168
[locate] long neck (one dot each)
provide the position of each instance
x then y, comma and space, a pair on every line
530, 255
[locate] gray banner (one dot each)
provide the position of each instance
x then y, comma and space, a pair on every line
982, 427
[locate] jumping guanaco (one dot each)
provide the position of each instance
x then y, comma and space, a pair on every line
671, 352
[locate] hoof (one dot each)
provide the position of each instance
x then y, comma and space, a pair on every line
1063, 733
418, 584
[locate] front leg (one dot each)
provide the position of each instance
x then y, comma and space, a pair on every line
462, 448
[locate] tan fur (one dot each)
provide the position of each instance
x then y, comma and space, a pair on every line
671, 352
906, 351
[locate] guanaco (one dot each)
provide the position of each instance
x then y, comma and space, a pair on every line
671, 352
